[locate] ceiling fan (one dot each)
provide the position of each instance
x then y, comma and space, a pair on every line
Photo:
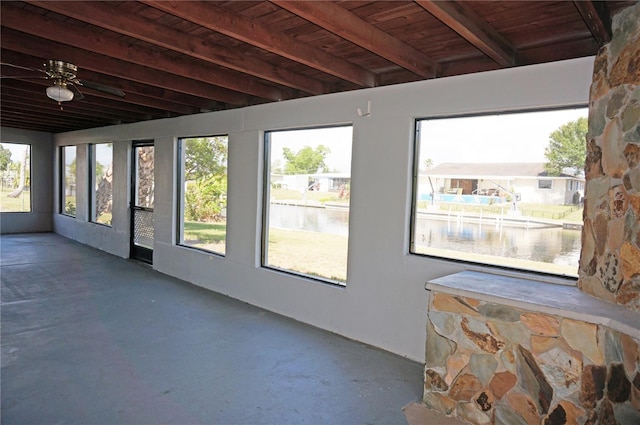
63, 75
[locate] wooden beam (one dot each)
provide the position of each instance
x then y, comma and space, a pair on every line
131, 103
35, 92
345, 24
49, 29
12, 95
216, 18
84, 59
597, 18
472, 28
105, 16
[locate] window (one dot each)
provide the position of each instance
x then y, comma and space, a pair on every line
485, 189
68, 181
203, 193
306, 202
102, 183
545, 184
15, 177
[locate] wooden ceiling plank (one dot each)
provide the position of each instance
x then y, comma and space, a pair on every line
92, 105
131, 104
168, 100
472, 28
101, 14
345, 24
84, 59
27, 114
597, 17
17, 123
41, 26
247, 30
12, 98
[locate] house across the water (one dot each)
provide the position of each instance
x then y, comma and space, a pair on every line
490, 183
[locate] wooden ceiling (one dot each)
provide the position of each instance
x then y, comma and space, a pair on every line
182, 57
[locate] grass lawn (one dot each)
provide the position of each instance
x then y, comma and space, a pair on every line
209, 236
296, 195
312, 253
20, 204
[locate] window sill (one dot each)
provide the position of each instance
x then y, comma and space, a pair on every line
565, 301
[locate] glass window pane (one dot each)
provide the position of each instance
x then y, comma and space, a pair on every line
307, 202
15, 177
504, 190
102, 164
203, 193
68, 206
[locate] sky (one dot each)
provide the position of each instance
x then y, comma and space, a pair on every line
17, 150
520, 137
337, 139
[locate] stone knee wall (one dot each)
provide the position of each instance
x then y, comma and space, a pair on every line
610, 260
489, 363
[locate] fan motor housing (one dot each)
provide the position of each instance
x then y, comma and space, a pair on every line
61, 69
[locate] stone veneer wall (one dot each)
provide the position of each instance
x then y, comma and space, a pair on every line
489, 363
610, 260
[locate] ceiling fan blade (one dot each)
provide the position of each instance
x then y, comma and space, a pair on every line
24, 77
100, 87
77, 95
27, 68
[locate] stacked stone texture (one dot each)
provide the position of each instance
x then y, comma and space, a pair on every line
494, 364
488, 363
610, 261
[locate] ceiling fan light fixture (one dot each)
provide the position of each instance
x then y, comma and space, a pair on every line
59, 93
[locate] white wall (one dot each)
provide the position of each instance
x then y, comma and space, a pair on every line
39, 219
384, 302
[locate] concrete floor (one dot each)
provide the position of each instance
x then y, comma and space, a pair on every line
89, 338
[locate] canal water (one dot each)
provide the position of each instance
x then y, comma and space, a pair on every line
552, 245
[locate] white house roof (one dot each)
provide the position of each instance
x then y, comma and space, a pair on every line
491, 170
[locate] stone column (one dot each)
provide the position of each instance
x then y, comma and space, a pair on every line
610, 260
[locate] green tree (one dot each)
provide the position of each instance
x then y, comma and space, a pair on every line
205, 165
5, 157
205, 156
567, 147
306, 161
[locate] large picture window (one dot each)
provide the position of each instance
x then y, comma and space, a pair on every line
306, 208
15, 177
102, 180
68, 181
504, 190
203, 193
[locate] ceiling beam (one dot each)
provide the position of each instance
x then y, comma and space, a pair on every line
472, 28
41, 26
36, 46
151, 96
597, 18
105, 16
17, 123
132, 102
35, 101
239, 27
92, 104
58, 117
345, 24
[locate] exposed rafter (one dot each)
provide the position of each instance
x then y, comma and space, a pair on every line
102, 15
339, 21
597, 17
249, 31
34, 46
175, 58
101, 44
472, 28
